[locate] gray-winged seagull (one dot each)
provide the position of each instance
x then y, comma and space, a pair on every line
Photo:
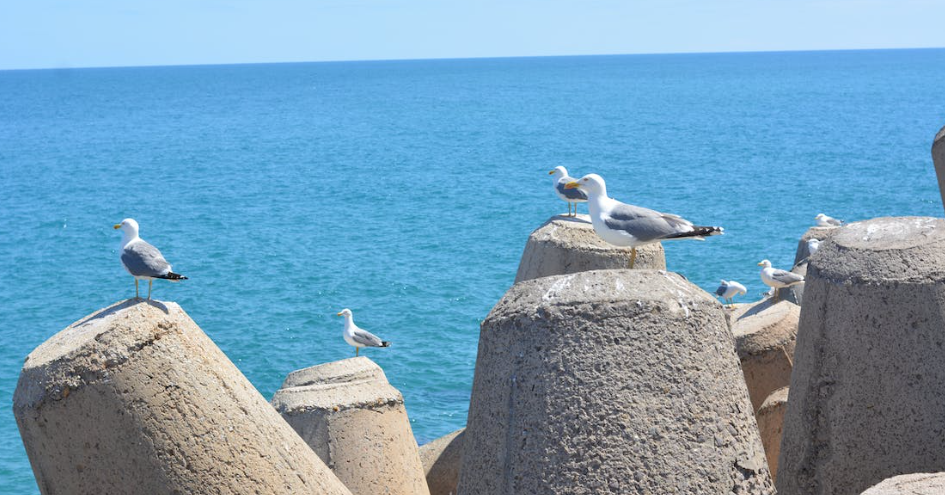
572, 196
357, 337
631, 226
142, 260
777, 278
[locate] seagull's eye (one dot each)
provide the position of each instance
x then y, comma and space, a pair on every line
585, 180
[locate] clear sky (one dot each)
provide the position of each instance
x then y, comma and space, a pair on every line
96, 33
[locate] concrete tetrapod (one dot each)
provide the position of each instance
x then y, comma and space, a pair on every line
135, 398
771, 425
441, 461
910, 484
868, 387
356, 422
610, 381
938, 160
564, 245
765, 335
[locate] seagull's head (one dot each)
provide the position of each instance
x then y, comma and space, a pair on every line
345, 312
765, 263
820, 216
128, 226
559, 172
590, 184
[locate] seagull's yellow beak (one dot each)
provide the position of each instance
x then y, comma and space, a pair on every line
760, 263
551, 173
338, 314
571, 185
117, 226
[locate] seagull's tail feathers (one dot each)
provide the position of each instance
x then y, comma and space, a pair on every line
384, 343
173, 277
698, 233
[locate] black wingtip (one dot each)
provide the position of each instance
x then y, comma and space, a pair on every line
385, 344
174, 276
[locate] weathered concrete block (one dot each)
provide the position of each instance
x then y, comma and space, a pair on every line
610, 381
441, 460
765, 335
868, 387
355, 421
910, 484
938, 160
770, 418
135, 398
566, 245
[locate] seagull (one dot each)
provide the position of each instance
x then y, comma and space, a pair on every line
729, 289
625, 225
142, 260
572, 196
777, 278
825, 221
812, 246
357, 337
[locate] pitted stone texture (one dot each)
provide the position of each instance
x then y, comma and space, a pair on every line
610, 381
868, 387
441, 462
770, 423
137, 399
795, 293
911, 484
938, 160
765, 336
566, 245
348, 413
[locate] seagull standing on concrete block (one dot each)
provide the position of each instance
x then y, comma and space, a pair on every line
631, 226
357, 337
777, 278
572, 196
142, 260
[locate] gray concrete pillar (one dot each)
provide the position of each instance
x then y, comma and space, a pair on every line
135, 398
771, 425
355, 421
910, 484
564, 245
868, 387
441, 462
610, 381
938, 160
765, 336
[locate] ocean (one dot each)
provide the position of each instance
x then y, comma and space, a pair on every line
405, 190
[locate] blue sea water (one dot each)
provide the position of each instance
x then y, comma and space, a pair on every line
406, 190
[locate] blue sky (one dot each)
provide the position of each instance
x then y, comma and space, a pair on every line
96, 33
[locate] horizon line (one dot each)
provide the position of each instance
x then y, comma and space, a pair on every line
485, 57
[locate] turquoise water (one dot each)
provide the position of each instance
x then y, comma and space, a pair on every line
406, 190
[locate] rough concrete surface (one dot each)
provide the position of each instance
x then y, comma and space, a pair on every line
910, 484
135, 398
770, 418
765, 335
441, 460
564, 245
938, 160
610, 381
356, 422
868, 387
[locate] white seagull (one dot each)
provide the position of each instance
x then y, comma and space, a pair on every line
825, 221
812, 246
777, 278
142, 260
631, 226
572, 196
729, 289
357, 337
